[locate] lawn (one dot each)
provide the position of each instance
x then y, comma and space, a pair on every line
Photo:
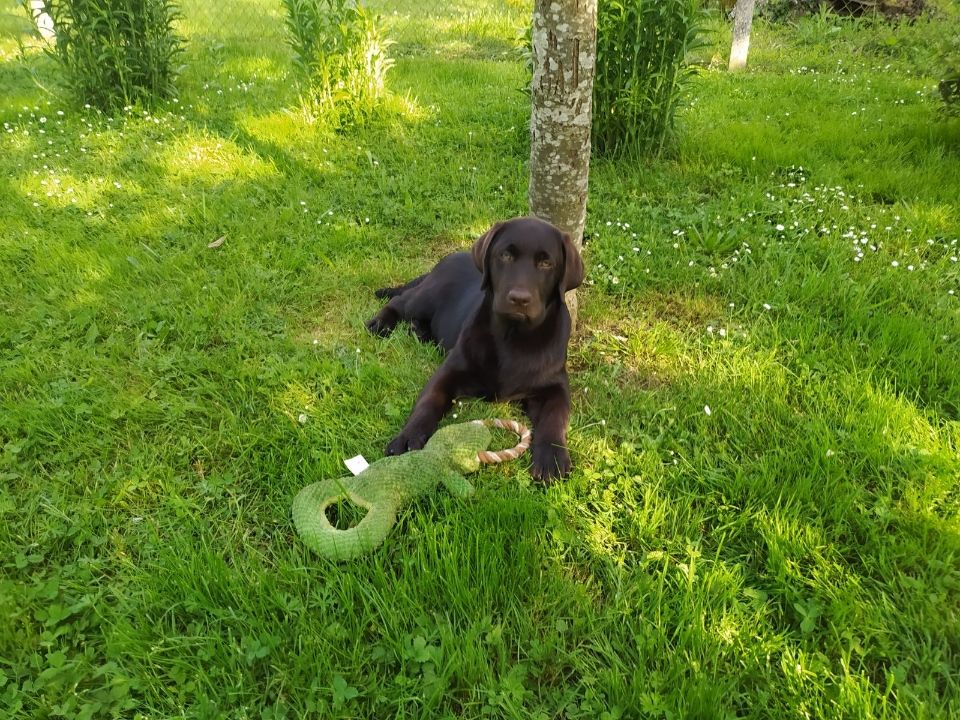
764, 516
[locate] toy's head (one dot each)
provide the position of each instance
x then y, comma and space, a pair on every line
461, 443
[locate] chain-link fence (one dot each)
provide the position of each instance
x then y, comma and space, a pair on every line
212, 21
480, 28
468, 27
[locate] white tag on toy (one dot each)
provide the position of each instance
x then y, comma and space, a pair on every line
356, 464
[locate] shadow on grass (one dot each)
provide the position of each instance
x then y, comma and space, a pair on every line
807, 517
692, 563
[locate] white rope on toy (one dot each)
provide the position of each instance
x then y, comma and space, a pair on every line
489, 457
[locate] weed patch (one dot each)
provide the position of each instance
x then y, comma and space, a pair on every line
115, 53
763, 520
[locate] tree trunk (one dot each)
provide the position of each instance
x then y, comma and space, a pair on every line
742, 22
564, 55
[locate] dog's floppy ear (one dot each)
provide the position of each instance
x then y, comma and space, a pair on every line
481, 249
572, 266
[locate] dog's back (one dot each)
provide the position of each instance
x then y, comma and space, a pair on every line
436, 305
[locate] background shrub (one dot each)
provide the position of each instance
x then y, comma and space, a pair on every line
947, 63
641, 51
116, 52
950, 84
779, 10
340, 51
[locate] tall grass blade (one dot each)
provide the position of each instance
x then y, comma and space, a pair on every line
642, 47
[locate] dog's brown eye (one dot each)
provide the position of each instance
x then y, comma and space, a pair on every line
545, 264
506, 256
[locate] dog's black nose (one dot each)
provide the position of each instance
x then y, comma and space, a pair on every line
520, 298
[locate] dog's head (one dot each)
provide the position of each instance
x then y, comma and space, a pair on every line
527, 265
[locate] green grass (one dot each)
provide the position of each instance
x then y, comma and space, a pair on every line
792, 553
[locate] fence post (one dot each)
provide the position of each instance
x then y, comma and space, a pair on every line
42, 19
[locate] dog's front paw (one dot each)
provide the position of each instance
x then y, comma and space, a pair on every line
376, 326
404, 442
383, 323
550, 462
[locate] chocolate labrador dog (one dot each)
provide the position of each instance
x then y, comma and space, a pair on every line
499, 312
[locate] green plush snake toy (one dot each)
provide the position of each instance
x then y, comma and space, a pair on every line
391, 482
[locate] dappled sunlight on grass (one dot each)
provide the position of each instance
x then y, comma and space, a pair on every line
645, 507
891, 416
289, 129
744, 420
733, 123
16, 31
646, 337
296, 401
64, 189
210, 158
256, 24
468, 29
763, 518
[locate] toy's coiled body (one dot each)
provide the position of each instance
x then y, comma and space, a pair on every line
385, 487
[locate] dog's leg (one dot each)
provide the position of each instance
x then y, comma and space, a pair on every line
549, 411
431, 406
386, 320
421, 328
393, 312
390, 292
